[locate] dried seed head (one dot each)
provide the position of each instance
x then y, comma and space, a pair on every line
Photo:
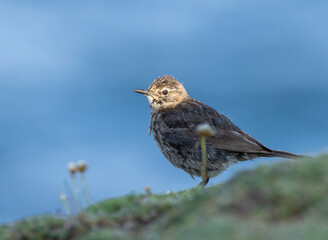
147, 189
205, 130
81, 166
72, 168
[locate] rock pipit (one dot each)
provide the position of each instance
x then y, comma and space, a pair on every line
174, 119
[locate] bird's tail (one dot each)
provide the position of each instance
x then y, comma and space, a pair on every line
277, 153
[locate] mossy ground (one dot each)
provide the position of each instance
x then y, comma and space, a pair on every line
288, 200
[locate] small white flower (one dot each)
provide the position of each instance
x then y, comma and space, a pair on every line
205, 130
81, 166
71, 167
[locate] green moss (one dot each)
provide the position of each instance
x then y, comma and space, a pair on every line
288, 200
45, 227
105, 234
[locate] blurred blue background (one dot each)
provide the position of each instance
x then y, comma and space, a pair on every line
67, 71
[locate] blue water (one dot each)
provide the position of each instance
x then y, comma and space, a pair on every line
67, 71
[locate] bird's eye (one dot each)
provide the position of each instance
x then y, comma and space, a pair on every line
165, 92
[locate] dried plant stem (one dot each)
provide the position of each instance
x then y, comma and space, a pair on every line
72, 202
65, 203
74, 188
66, 207
204, 158
86, 195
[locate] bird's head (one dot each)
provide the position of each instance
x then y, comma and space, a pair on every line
164, 93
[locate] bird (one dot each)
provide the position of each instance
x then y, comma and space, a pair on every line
174, 117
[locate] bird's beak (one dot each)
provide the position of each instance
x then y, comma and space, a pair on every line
146, 92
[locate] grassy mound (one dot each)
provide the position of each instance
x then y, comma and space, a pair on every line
286, 201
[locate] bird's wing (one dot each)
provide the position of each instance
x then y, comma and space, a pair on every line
182, 123
231, 140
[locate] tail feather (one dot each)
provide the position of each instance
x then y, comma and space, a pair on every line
277, 153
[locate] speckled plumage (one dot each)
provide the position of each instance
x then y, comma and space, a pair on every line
174, 118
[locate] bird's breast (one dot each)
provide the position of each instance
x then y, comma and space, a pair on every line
159, 129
